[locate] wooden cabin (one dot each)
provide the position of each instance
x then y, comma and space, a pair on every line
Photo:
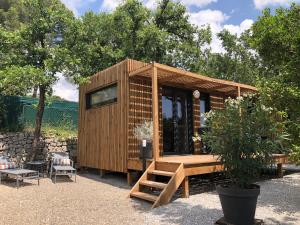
123, 96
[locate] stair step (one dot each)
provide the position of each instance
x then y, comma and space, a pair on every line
162, 173
154, 184
145, 196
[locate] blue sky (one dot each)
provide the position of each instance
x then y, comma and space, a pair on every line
234, 15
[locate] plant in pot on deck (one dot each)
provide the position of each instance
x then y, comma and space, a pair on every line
244, 136
144, 133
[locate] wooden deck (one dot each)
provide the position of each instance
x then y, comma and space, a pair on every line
195, 164
189, 160
179, 168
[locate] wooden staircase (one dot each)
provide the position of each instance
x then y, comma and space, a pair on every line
159, 192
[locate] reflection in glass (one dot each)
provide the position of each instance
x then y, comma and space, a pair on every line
103, 96
168, 130
176, 135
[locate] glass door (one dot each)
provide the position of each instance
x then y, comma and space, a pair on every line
177, 121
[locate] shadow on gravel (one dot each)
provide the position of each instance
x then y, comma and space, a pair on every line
114, 179
183, 213
203, 183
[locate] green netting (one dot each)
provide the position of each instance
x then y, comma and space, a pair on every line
20, 111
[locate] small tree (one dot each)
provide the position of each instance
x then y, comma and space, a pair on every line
245, 135
144, 131
37, 47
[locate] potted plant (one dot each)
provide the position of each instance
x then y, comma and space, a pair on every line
244, 136
144, 132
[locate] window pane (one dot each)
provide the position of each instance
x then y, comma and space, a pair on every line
204, 108
202, 112
103, 96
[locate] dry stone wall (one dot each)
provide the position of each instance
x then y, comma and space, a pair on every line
19, 145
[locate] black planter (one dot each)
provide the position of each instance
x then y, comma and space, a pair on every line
238, 204
146, 152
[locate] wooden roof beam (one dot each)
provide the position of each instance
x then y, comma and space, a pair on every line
169, 78
195, 83
219, 86
201, 77
141, 70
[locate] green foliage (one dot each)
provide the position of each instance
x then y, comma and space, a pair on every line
165, 35
244, 135
12, 14
237, 62
15, 80
62, 131
33, 51
295, 154
276, 38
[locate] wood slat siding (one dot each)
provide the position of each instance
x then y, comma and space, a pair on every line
103, 131
217, 101
140, 109
196, 123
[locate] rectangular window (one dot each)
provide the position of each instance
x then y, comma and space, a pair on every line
204, 107
102, 96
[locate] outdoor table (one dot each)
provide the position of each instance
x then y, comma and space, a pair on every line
21, 174
40, 166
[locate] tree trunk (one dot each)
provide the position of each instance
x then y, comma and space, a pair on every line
35, 89
38, 122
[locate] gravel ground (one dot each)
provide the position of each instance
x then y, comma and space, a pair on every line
105, 201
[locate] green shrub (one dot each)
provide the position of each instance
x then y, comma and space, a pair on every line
245, 135
295, 154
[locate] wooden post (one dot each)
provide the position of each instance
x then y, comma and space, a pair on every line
279, 170
102, 173
155, 113
185, 188
129, 178
239, 95
239, 91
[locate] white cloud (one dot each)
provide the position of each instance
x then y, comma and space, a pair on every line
198, 3
260, 4
65, 89
76, 5
215, 19
109, 5
238, 29
150, 4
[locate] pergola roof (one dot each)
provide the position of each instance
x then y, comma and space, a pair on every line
168, 75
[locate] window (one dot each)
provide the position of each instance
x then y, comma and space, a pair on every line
204, 107
102, 96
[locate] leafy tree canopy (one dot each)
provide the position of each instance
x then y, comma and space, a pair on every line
276, 38
164, 35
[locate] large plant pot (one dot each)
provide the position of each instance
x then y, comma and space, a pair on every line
238, 204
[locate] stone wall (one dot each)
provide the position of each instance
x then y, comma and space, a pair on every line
19, 145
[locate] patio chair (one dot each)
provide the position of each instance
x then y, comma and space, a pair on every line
61, 165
